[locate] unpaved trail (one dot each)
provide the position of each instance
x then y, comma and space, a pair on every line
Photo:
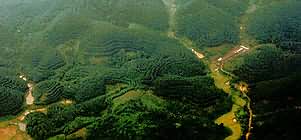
199, 55
29, 97
171, 7
250, 117
66, 102
247, 40
29, 101
15, 129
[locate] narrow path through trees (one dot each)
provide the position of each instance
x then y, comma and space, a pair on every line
172, 9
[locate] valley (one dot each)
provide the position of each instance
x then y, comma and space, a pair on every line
229, 119
140, 69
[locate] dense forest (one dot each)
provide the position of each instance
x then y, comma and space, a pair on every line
273, 69
210, 22
107, 69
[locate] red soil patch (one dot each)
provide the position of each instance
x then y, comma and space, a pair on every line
8, 133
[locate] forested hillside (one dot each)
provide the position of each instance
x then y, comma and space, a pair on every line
273, 69
210, 22
150, 69
115, 65
277, 23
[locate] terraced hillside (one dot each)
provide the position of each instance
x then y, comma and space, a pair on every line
12, 92
102, 64
149, 69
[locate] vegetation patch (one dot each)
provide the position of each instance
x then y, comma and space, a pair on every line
209, 23
278, 23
